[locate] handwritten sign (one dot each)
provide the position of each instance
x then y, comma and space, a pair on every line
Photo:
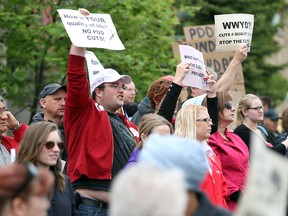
202, 38
94, 31
94, 67
232, 30
267, 185
197, 71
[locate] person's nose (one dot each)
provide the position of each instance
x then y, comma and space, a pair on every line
3, 115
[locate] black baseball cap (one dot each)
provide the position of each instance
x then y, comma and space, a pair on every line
271, 114
51, 89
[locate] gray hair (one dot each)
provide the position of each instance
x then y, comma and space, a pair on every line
144, 190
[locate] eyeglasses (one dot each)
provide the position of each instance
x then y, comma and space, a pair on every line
207, 120
256, 108
116, 86
51, 144
229, 105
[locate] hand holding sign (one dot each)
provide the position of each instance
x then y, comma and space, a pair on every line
230, 34
90, 30
196, 77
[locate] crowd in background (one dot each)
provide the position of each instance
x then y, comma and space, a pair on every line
106, 154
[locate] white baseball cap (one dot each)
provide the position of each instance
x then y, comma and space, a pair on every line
109, 75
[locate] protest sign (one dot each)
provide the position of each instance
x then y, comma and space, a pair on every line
94, 67
196, 76
203, 39
94, 31
232, 30
267, 185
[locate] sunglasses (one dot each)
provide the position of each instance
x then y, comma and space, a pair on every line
51, 144
256, 108
229, 105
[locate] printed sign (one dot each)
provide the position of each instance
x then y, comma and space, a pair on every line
196, 76
267, 185
232, 30
94, 31
94, 67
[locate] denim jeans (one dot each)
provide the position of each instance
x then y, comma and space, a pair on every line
87, 210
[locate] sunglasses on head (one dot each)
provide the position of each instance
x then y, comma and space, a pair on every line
229, 105
51, 144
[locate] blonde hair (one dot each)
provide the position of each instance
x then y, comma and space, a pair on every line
31, 144
148, 122
244, 104
185, 124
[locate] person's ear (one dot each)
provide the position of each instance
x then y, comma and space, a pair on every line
143, 137
18, 206
98, 92
43, 102
244, 113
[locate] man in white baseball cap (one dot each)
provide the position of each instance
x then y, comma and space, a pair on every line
99, 140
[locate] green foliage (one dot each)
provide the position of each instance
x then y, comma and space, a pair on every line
37, 52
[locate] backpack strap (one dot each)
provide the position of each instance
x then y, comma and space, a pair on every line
263, 130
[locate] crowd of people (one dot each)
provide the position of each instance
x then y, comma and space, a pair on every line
106, 154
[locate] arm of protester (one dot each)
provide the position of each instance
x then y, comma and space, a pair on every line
169, 103
226, 80
18, 128
212, 102
212, 83
79, 51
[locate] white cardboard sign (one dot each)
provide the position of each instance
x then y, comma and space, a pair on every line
267, 186
94, 67
197, 70
94, 31
232, 30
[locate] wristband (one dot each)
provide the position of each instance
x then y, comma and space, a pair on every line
17, 126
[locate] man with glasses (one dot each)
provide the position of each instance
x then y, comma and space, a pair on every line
99, 140
7, 144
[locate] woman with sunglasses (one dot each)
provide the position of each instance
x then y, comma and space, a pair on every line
42, 145
230, 149
249, 115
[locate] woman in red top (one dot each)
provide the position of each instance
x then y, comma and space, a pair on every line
230, 149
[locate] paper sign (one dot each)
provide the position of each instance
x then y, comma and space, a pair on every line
196, 77
95, 30
13, 155
94, 67
232, 30
267, 185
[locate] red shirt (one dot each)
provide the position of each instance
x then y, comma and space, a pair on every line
234, 156
87, 126
13, 142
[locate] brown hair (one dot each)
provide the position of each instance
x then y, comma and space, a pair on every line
223, 98
157, 91
31, 144
285, 120
148, 122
